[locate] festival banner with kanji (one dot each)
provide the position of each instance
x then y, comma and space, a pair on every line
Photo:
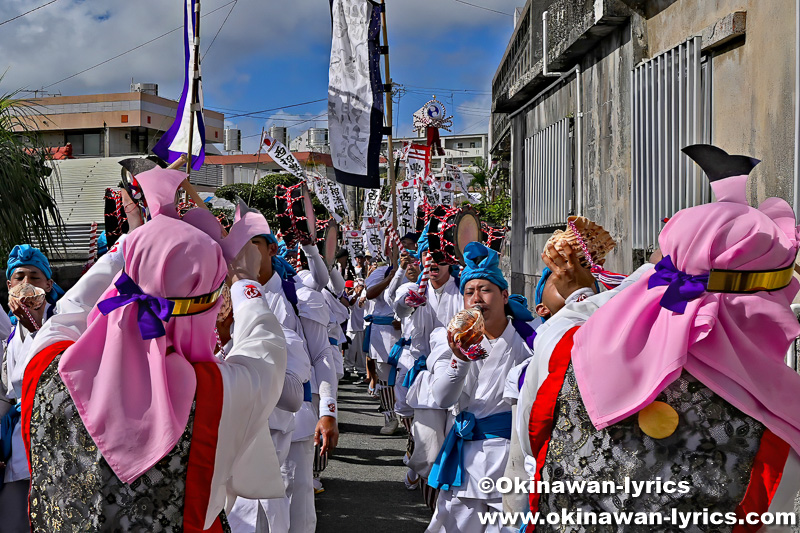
455, 173
374, 237
372, 202
355, 92
329, 194
354, 242
407, 207
418, 162
283, 156
446, 191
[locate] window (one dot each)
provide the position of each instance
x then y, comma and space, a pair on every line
548, 175
671, 109
472, 145
124, 119
459, 145
149, 118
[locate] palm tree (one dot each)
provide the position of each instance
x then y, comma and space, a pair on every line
28, 212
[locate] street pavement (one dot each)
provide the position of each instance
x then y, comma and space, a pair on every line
364, 489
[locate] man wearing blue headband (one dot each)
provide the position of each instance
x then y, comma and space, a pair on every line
562, 275
443, 300
477, 444
26, 266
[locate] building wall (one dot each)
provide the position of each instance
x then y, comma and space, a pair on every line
753, 83
752, 113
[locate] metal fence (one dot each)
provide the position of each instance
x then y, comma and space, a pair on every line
671, 97
548, 175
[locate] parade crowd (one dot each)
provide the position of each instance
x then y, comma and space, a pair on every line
188, 380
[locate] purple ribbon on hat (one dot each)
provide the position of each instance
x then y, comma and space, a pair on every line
682, 287
153, 311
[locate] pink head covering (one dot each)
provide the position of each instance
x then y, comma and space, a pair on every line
133, 396
632, 347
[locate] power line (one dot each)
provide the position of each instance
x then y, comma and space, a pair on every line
31, 11
134, 48
278, 108
472, 125
219, 30
485, 8
448, 90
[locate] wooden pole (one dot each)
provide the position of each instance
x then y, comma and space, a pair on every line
258, 160
389, 145
194, 106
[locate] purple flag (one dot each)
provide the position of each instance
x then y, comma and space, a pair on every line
175, 141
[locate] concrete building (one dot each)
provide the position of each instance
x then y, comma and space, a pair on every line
108, 125
592, 102
312, 140
461, 150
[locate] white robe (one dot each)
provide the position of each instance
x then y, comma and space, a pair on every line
382, 337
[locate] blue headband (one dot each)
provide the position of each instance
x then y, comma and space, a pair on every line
539, 294
482, 263
27, 255
279, 264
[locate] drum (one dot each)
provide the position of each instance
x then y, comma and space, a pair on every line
328, 240
493, 236
116, 222
451, 229
295, 214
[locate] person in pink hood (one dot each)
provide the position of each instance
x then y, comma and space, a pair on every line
129, 420
678, 380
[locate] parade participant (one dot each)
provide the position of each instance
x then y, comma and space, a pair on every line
307, 316
681, 375
27, 268
153, 431
355, 328
477, 443
379, 338
250, 515
444, 300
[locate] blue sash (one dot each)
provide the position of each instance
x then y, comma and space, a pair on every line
333, 341
420, 365
525, 331
307, 391
448, 469
380, 320
394, 359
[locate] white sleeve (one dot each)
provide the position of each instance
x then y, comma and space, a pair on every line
397, 280
317, 267
69, 321
512, 385
5, 325
252, 376
401, 309
298, 371
319, 349
448, 375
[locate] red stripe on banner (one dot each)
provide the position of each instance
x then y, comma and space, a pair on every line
540, 425
203, 450
33, 373
765, 477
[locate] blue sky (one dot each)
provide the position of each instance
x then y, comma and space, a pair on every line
268, 54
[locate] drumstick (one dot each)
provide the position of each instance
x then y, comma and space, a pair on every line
426, 273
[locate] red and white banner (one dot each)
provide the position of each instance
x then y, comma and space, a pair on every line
418, 162
283, 156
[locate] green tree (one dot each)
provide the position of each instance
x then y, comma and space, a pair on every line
495, 204
28, 212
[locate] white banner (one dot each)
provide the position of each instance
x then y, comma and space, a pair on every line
460, 178
281, 155
355, 244
418, 162
407, 207
374, 236
372, 201
446, 191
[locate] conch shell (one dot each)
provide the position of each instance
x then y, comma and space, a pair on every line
598, 241
227, 304
467, 326
29, 295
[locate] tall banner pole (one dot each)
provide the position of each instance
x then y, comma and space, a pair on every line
194, 106
389, 145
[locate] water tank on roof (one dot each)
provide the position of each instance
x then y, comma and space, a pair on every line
318, 137
233, 140
147, 88
278, 133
